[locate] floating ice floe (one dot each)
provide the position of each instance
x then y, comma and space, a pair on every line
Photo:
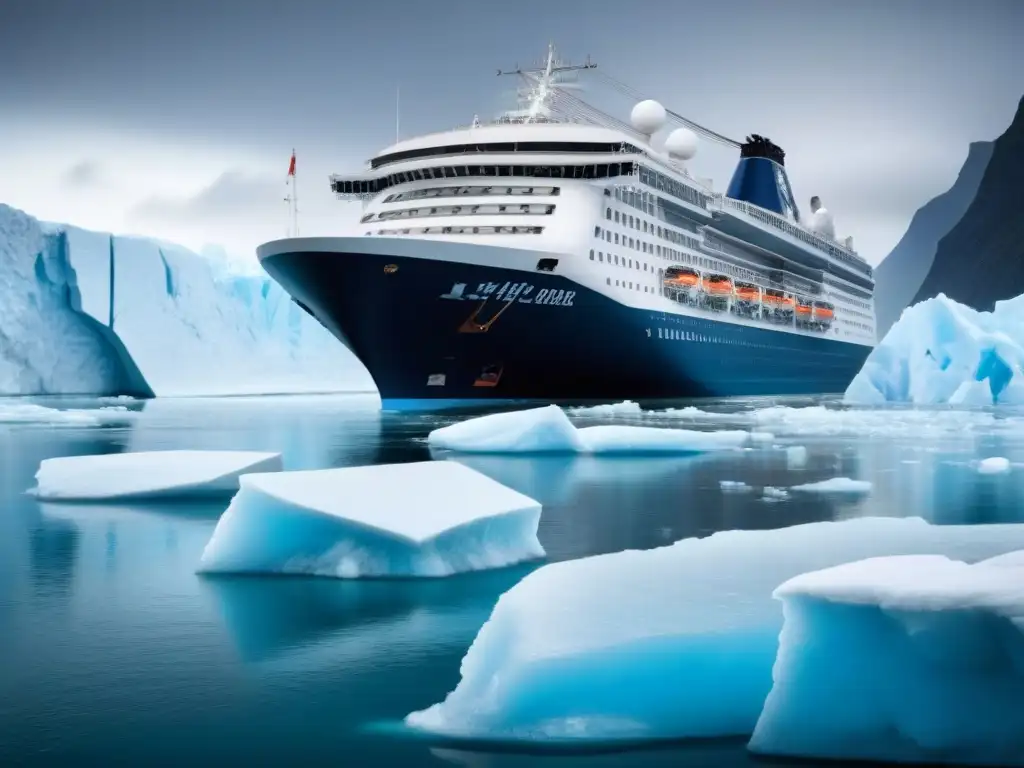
796, 457
548, 430
431, 518
148, 475
994, 465
839, 485
900, 659
673, 642
941, 351
734, 486
842, 420
774, 494
29, 413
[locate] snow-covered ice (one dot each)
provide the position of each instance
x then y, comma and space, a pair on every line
431, 518
148, 475
90, 313
900, 659
771, 494
549, 430
994, 465
839, 485
733, 486
940, 351
673, 642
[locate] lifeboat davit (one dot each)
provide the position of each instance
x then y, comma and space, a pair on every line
778, 299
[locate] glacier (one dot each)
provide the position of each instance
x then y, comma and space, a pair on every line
91, 313
902, 659
148, 475
428, 518
942, 352
673, 642
548, 430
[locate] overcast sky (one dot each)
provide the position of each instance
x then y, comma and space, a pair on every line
177, 119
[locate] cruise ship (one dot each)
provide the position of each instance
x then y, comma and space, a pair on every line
560, 254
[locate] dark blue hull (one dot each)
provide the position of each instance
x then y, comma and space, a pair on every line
555, 341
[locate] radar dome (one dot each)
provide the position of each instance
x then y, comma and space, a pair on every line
648, 116
681, 143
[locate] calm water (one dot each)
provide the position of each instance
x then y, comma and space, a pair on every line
113, 652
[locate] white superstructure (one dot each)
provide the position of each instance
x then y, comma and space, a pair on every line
562, 179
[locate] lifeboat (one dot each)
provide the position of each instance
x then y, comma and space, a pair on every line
778, 305
718, 285
748, 292
804, 309
823, 313
681, 277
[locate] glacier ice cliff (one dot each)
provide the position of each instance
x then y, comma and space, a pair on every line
91, 313
941, 351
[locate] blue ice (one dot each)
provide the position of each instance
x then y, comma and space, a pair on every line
901, 659
431, 518
673, 642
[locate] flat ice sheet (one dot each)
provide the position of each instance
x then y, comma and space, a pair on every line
549, 430
838, 485
148, 474
431, 518
673, 642
900, 659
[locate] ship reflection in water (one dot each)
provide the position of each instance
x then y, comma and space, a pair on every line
114, 651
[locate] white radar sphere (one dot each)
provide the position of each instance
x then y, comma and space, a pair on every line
681, 143
648, 116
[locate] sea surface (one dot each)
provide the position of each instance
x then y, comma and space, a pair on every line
114, 652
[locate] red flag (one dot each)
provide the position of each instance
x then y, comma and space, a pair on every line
291, 165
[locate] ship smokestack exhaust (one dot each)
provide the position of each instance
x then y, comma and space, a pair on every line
760, 178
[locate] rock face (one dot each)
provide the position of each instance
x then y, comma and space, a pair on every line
903, 271
981, 260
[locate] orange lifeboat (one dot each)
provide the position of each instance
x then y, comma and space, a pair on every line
681, 278
824, 312
718, 285
778, 300
748, 292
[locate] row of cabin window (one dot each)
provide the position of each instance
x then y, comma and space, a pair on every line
845, 294
624, 262
462, 231
802, 234
418, 194
459, 210
642, 225
679, 256
631, 286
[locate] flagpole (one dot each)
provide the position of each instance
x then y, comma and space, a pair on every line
295, 199
398, 94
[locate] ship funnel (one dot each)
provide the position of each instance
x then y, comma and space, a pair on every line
760, 178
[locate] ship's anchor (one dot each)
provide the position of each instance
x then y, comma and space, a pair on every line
472, 325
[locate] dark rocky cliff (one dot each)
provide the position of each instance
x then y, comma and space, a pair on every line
901, 274
981, 260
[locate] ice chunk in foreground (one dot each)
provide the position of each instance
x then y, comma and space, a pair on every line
940, 351
668, 643
901, 659
548, 430
835, 485
431, 518
148, 474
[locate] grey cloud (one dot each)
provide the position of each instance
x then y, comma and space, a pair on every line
233, 195
82, 175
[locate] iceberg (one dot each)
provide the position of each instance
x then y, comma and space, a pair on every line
940, 351
994, 465
672, 642
148, 475
90, 313
901, 659
548, 430
430, 518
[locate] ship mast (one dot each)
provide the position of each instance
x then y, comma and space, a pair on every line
541, 83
